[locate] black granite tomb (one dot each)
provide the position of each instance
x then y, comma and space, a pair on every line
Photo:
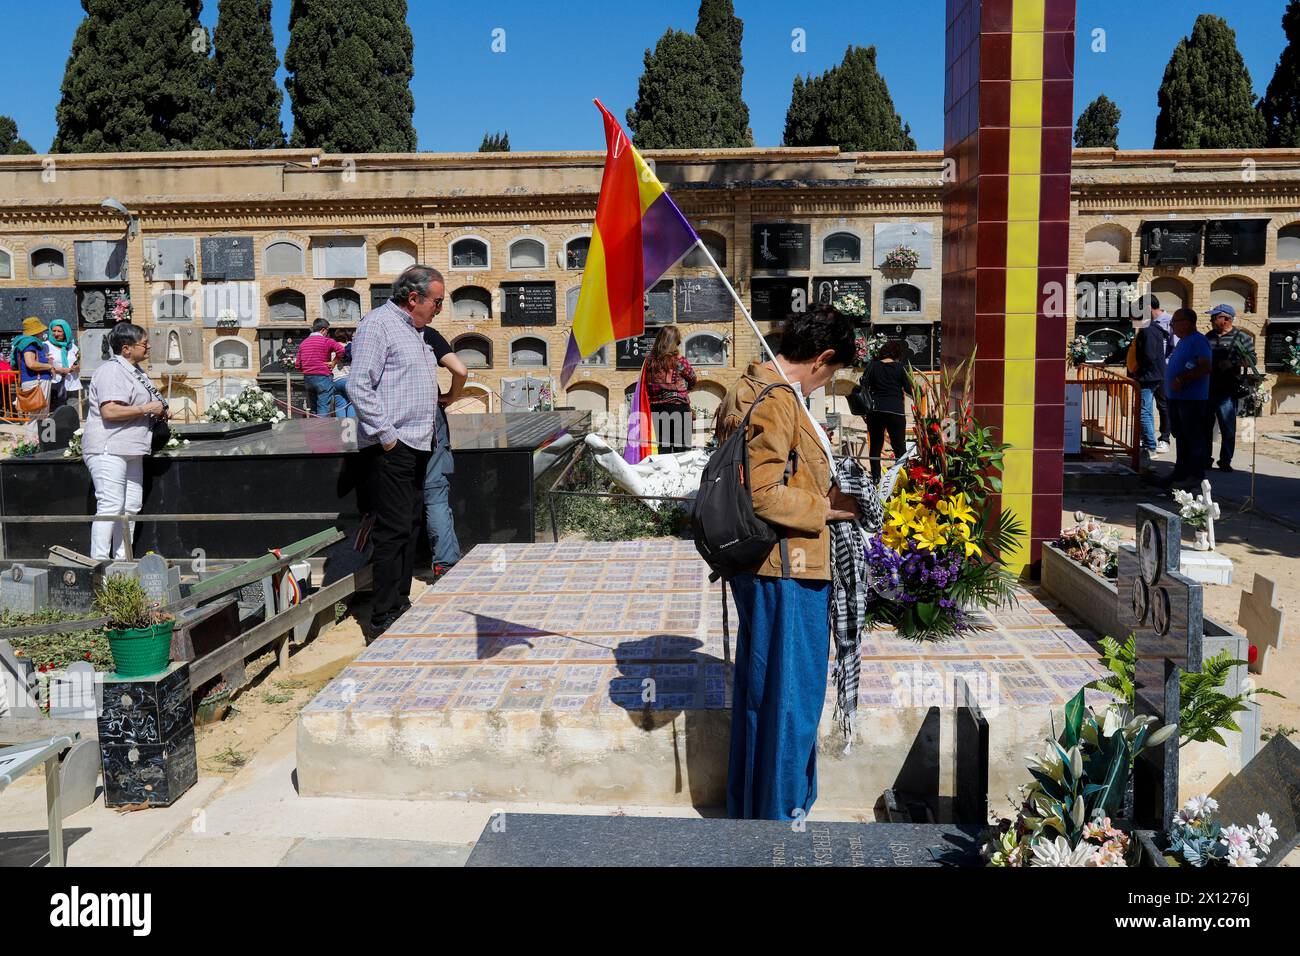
782, 245
632, 353
534, 839
659, 303
970, 803
827, 290
146, 738
527, 303
704, 300
227, 259
1107, 295
47, 304
1269, 783
772, 300
1176, 242
1163, 610
1235, 242
1277, 350
919, 340
1284, 295
1106, 339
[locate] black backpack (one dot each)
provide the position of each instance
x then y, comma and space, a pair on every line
729, 536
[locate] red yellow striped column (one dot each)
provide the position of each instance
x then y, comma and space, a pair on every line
1008, 125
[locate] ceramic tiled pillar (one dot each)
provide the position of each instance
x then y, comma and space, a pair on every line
1008, 118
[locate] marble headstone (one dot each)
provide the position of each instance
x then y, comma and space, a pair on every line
1270, 784
161, 582
24, 590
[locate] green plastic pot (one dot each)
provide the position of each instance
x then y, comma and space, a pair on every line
141, 651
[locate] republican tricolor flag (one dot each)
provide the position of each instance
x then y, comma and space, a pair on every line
639, 235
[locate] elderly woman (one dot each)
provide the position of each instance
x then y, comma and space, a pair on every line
783, 606
122, 410
65, 358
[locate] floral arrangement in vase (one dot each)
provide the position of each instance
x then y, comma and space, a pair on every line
1195, 838
939, 555
1078, 351
851, 304
250, 405
1092, 544
1078, 788
545, 399
902, 259
1292, 359
868, 346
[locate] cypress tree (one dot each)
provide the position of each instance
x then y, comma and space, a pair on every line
246, 114
678, 104
11, 144
1098, 124
848, 106
350, 68
721, 30
495, 143
1206, 98
1281, 103
138, 78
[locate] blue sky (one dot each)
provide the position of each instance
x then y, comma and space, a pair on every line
559, 56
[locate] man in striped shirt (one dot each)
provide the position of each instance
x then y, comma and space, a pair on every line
394, 389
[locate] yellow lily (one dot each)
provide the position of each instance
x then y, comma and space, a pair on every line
957, 508
929, 535
962, 533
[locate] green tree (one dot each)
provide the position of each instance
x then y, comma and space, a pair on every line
138, 78
848, 106
495, 143
1206, 99
678, 104
1098, 124
1281, 103
350, 68
246, 113
721, 30
11, 144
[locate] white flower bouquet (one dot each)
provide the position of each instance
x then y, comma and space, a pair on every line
1191, 510
250, 405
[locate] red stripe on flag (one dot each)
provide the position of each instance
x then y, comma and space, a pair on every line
618, 217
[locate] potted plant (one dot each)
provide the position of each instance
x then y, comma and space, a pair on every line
213, 705
139, 636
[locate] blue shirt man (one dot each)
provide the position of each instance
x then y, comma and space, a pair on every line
1187, 383
1190, 351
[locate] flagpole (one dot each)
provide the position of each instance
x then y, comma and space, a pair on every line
699, 243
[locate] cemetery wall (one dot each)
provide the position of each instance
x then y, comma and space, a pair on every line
239, 252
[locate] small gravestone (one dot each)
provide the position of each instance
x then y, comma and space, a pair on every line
1262, 621
72, 588
17, 685
1163, 610
536, 839
56, 431
161, 582
130, 569
24, 590
970, 759
1270, 784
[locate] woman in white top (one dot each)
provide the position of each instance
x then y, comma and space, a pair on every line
63, 351
122, 408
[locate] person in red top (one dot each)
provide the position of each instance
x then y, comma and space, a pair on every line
314, 360
669, 379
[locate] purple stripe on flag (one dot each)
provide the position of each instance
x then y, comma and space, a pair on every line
572, 358
666, 236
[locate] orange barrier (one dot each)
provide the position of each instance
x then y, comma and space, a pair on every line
1111, 412
8, 391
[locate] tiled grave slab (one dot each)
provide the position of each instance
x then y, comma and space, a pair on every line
599, 673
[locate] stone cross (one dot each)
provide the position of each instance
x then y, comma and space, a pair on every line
1211, 509
1261, 621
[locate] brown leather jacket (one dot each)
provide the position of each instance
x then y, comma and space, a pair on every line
797, 508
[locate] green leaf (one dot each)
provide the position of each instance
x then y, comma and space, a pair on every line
927, 612
1073, 720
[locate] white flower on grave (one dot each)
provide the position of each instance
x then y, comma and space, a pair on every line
1243, 857
243, 408
1266, 833
1235, 839
1059, 853
1200, 806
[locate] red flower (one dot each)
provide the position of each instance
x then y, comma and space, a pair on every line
87, 655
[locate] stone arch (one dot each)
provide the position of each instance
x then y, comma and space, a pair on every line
1240, 292
396, 255
471, 303
1107, 244
474, 350
527, 253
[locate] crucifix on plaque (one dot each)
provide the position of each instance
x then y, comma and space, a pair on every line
1163, 609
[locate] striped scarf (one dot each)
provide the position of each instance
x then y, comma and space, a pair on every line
849, 584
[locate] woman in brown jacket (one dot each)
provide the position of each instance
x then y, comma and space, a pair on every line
783, 639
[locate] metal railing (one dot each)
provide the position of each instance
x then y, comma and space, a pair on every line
1111, 413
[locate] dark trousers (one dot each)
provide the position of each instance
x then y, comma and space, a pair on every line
395, 495
1223, 411
1162, 406
1187, 417
673, 424
878, 423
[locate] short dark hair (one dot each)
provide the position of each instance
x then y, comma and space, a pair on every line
415, 279
1146, 305
893, 349
807, 335
124, 334
1185, 313
320, 325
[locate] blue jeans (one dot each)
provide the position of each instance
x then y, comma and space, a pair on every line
1149, 418
438, 519
1224, 411
342, 404
782, 653
320, 391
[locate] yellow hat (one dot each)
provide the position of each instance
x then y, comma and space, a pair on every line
34, 326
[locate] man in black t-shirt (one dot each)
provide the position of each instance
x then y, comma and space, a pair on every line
1232, 358
437, 486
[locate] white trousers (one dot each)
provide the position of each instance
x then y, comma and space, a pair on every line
119, 489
